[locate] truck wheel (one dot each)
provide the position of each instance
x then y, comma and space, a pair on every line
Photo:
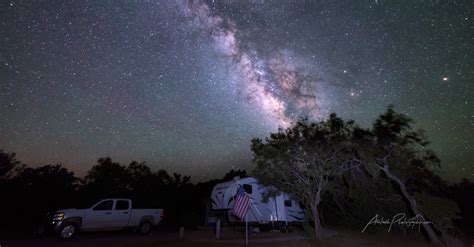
144, 228
67, 231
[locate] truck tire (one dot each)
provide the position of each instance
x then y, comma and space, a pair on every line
67, 231
144, 228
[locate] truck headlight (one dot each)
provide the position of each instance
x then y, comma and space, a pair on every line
58, 216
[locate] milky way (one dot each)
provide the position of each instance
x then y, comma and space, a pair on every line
185, 85
274, 84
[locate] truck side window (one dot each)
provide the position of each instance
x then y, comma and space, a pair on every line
121, 205
287, 203
248, 188
103, 206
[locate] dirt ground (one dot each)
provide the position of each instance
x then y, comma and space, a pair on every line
230, 238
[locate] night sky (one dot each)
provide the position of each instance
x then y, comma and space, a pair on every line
185, 86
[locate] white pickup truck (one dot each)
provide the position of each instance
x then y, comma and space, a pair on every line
107, 214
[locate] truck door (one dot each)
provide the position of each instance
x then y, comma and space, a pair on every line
122, 213
100, 216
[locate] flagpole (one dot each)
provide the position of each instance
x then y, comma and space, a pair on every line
246, 230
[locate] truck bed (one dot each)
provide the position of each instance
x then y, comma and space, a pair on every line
137, 215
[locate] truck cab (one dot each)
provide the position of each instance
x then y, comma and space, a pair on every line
107, 214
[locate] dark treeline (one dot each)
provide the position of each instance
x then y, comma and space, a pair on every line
30, 194
342, 173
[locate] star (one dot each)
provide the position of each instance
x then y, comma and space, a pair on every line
179, 81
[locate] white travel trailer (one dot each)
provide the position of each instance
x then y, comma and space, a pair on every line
277, 212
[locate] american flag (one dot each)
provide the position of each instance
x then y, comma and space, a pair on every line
242, 202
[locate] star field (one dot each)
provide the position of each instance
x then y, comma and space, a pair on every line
185, 85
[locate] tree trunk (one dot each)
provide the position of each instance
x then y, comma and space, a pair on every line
317, 221
429, 230
317, 224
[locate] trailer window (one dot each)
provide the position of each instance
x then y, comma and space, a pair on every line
248, 188
287, 203
121, 205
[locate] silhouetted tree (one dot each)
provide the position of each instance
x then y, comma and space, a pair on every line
138, 170
107, 178
8, 163
32, 193
304, 159
309, 159
401, 154
234, 173
145, 185
179, 181
163, 176
463, 194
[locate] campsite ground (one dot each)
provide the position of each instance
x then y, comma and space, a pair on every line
230, 238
